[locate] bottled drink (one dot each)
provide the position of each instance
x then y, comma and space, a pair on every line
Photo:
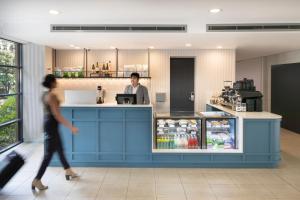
196, 144
176, 142
190, 142
158, 142
171, 142
166, 142
185, 137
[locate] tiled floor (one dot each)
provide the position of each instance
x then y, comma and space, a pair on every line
163, 184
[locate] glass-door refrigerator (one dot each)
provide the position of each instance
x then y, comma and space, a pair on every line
219, 131
177, 131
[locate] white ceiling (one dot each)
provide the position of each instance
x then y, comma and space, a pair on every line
30, 21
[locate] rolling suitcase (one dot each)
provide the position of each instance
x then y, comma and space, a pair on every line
9, 167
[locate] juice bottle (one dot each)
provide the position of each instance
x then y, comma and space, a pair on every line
162, 142
190, 142
186, 142
176, 141
158, 143
171, 143
196, 142
167, 141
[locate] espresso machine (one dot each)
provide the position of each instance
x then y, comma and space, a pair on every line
242, 91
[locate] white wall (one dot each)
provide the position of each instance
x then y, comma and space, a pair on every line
33, 73
251, 69
212, 68
48, 60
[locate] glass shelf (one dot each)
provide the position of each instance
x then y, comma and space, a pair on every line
93, 74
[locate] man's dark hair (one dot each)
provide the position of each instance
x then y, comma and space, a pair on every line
134, 74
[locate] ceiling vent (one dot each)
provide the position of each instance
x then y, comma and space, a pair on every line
252, 27
118, 28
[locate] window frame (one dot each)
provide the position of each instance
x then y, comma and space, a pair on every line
18, 95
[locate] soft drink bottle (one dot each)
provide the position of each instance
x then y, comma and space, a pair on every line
167, 140
190, 142
176, 142
186, 142
158, 143
163, 143
171, 142
196, 144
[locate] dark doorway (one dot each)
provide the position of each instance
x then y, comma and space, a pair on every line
182, 84
285, 94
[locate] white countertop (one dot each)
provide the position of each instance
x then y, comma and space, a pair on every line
107, 105
247, 115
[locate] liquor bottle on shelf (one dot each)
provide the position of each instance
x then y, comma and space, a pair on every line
97, 68
93, 68
109, 65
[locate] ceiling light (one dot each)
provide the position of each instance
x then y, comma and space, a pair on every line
72, 45
215, 10
151, 47
77, 47
112, 47
188, 45
219, 47
53, 12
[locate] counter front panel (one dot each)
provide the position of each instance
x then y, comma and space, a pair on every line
123, 136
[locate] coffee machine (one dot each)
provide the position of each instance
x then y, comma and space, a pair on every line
243, 91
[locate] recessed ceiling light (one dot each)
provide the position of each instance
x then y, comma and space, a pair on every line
72, 45
219, 47
112, 47
151, 47
188, 45
215, 10
53, 12
77, 47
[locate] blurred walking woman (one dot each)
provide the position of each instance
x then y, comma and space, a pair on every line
53, 142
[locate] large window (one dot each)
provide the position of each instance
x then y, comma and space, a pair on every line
10, 94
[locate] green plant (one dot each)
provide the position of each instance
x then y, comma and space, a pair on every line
8, 111
7, 75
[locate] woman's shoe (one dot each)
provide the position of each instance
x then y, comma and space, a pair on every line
38, 184
70, 174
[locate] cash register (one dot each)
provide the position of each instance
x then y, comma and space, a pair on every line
126, 98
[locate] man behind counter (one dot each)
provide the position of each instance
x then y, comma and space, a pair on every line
142, 96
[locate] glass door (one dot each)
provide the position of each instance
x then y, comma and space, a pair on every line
178, 133
220, 133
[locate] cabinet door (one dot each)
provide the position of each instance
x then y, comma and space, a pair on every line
66, 137
111, 140
138, 140
85, 141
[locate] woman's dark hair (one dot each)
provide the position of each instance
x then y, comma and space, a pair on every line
134, 74
49, 80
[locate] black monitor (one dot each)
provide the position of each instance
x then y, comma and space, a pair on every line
126, 98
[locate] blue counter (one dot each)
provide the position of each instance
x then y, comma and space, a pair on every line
122, 136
